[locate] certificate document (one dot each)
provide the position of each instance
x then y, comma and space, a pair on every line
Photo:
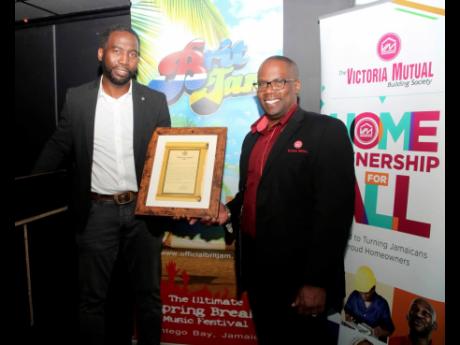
183, 172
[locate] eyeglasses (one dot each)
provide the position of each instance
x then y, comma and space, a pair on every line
276, 84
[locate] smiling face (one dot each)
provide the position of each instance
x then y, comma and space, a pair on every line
277, 102
119, 57
421, 318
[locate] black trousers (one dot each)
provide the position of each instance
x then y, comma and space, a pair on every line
113, 231
270, 298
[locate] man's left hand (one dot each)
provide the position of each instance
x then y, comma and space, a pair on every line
310, 300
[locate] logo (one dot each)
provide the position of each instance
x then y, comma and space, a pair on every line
366, 131
298, 144
388, 46
207, 76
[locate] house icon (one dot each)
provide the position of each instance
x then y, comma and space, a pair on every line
366, 131
388, 46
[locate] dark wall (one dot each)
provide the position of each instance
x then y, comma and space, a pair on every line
34, 94
301, 43
48, 60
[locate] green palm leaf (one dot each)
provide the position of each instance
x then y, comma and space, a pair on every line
146, 20
201, 17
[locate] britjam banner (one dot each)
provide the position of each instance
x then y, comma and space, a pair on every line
383, 75
204, 56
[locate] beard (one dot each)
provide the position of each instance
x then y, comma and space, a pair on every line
108, 72
421, 331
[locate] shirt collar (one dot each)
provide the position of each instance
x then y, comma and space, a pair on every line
102, 93
261, 124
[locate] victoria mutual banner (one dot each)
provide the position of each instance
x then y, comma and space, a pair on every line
383, 75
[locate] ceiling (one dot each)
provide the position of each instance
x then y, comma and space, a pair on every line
27, 10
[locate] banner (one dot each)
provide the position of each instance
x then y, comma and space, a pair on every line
383, 75
204, 56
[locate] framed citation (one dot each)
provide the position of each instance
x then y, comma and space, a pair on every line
183, 172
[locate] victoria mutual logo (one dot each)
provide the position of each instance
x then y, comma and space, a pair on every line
388, 46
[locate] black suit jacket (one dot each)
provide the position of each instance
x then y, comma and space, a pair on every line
305, 204
75, 133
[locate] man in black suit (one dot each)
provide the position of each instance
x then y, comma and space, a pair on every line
105, 128
292, 214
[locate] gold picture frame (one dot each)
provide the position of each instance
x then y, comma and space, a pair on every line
183, 172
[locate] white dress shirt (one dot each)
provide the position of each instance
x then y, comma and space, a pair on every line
113, 169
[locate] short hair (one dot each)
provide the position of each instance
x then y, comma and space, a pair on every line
106, 34
420, 299
291, 63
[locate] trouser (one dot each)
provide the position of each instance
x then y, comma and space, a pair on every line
277, 324
275, 321
114, 230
